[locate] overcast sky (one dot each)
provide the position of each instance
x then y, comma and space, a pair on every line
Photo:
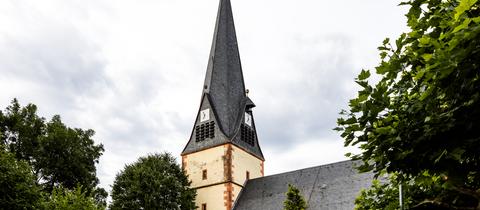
133, 71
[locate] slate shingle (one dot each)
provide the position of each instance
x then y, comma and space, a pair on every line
325, 187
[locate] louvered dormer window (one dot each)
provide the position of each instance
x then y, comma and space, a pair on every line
204, 131
247, 134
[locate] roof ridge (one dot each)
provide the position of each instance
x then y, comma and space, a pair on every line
312, 167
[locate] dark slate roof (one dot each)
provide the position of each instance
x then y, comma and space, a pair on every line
332, 186
224, 79
250, 103
224, 89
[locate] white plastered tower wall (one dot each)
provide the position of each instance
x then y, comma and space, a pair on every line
226, 166
211, 160
243, 162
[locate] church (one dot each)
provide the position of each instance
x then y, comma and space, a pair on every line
223, 158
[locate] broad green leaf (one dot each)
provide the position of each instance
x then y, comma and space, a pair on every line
364, 84
413, 15
463, 6
362, 97
381, 48
424, 40
386, 41
382, 69
426, 94
384, 130
457, 153
399, 42
338, 129
419, 75
427, 57
383, 55
427, 119
351, 120
463, 25
413, 34
364, 75
446, 71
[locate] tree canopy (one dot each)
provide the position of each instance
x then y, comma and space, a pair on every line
65, 199
67, 156
421, 120
294, 199
384, 195
153, 182
18, 186
56, 154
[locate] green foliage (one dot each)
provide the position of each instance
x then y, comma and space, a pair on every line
68, 156
20, 129
18, 187
294, 200
385, 194
100, 196
153, 182
76, 199
423, 116
59, 155
378, 197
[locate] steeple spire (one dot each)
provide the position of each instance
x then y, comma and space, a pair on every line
224, 79
225, 105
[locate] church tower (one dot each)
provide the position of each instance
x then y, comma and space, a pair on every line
223, 150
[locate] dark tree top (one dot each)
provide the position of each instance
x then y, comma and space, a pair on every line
153, 182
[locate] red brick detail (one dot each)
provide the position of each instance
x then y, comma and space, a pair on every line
227, 162
228, 196
184, 162
228, 172
262, 169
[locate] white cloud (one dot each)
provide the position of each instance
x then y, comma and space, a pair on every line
313, 153
133, 70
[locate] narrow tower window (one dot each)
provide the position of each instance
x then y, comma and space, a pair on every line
204, 131
248, 175
247, 134
204, 174
204, 206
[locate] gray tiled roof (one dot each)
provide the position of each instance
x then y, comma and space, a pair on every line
224, 89
325, 187
250, 103
224, 79
220, 138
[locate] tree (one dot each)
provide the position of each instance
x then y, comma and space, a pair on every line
384, 195
59, 155
294, 200
153, 182
18, 187
421, 120
378, 197
65, 199
67, 156
20, 129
